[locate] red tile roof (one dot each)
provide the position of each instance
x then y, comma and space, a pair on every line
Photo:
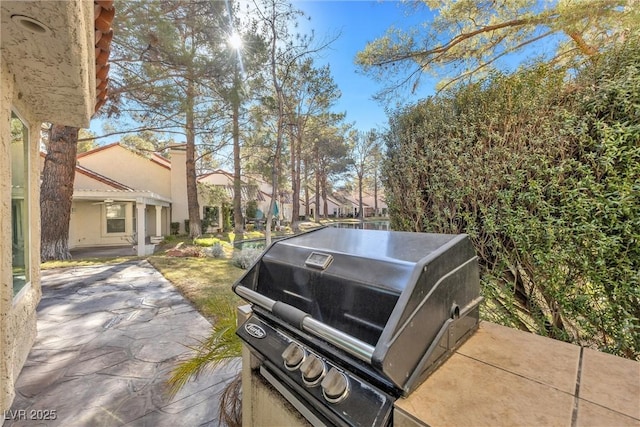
106, 180
104, 12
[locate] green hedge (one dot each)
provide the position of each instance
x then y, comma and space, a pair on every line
543, 172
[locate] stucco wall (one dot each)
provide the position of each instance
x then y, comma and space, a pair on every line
179, 208
60, 64
129, 169
17, 315
87, 227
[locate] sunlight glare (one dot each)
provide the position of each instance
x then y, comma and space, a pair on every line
235, 41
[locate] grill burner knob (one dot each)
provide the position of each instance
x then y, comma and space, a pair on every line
293, 356
335, 386
312, 370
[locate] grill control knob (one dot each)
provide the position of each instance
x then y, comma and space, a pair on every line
335, 386
293, 356
312, 370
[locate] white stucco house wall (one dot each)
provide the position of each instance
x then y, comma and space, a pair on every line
118, 192
369, 201
120, 198
333, 207
52, 69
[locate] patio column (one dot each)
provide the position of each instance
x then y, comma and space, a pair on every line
158, 221
141, 226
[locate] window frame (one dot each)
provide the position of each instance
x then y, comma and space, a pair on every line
22, 209
106, 219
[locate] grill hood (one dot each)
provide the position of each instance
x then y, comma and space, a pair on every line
398, 301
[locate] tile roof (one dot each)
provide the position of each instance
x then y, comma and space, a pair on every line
104, 12
155, 157
106, 180
248, 192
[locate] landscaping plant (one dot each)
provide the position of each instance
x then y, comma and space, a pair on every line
542, 169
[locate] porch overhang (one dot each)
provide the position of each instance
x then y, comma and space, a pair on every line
143, 197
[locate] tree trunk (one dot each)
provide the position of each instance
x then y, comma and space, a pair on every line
360, 209
325, 205
317, 209
375, 190
279, 127
192, 188
237, 184
295, 182
56, 193
306, 190
316, 214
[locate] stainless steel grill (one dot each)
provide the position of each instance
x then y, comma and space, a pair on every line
346, 321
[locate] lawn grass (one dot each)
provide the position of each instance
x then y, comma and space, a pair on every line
206, 282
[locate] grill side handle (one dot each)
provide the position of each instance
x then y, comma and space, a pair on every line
304, 321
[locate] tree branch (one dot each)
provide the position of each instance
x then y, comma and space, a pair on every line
164, 130
415, 55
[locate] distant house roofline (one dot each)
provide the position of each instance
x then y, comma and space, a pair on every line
101, 178
155, 158
220, 172
97, 149
159, 158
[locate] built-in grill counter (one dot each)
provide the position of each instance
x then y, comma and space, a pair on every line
346, 321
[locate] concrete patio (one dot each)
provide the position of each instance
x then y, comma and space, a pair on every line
103, 252
108, 337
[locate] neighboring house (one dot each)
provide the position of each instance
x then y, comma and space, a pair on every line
342, 204
348, 204
283, 207
53, 68
224, 180
368, 201
120, 197
333, 207
253, 189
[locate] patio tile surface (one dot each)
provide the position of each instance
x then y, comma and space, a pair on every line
108, 337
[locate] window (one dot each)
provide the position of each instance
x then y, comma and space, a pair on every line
19, 203
116, 218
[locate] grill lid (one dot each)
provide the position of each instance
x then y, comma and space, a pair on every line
381, 296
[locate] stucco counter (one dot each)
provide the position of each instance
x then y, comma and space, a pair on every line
503, 376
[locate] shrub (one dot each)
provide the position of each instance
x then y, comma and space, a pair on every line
252, 209
175, 228
168, 239
246, 257
541, 171
216, 251
206, 241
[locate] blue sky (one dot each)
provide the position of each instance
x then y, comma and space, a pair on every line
358, 22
